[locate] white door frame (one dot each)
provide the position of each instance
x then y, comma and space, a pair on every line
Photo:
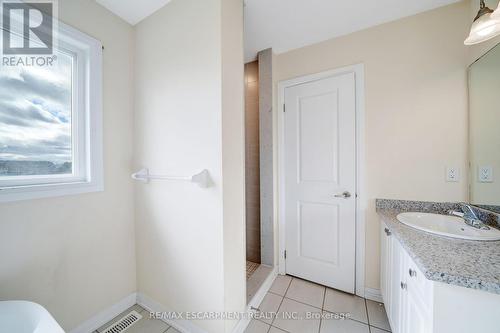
358, 71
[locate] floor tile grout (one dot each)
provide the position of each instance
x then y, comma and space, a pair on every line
279, 328
358, 321
380, 328
324, 298
312, 306
367, 315
281, 303
322, 310
288, 287
275, 293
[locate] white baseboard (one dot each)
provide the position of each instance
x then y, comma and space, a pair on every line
256, 300
373, 295
183, 326
106, 315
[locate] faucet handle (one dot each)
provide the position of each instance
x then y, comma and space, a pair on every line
455, 213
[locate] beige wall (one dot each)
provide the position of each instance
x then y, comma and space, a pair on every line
189, 116
252, 161
416, 107
75, 255
233, 159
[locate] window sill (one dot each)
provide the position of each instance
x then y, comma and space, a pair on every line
21, 193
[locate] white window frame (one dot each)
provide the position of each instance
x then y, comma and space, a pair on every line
86, 127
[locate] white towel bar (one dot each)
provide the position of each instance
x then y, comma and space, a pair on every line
202, 178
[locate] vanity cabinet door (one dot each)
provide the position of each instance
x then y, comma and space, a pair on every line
417, 299
397, 285
403, 287
418, 285
415, 316
385, 258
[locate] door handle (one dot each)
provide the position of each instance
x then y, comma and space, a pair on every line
344, 195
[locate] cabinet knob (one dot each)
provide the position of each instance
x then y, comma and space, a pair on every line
387, 231
412, 272
403, 285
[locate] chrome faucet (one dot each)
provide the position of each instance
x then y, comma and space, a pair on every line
470, 217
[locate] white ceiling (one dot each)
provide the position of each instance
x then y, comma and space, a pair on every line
133, 11
289, 24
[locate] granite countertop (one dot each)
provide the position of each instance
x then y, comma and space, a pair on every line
464, 263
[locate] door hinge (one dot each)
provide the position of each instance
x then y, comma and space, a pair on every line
284, 108
284, 254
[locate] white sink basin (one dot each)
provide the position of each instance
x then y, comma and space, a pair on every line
449, 226
26, 317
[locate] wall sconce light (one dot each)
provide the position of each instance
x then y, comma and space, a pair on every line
486, 25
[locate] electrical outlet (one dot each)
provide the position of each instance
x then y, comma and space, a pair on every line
485, 174
452, 175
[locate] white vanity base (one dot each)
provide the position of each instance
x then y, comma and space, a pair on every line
415, 304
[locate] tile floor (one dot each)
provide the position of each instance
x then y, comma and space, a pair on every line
251, 268
292, 295
145, 325
288, 294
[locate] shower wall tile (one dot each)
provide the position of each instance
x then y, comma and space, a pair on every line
252, 162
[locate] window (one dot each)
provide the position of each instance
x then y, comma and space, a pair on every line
51, 121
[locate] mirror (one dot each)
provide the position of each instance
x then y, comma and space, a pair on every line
484, 131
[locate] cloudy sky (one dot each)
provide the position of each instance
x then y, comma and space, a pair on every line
35, 112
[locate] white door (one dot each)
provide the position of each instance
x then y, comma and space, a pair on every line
320, 181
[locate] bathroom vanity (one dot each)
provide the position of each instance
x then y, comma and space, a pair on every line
435, 284
441, 273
